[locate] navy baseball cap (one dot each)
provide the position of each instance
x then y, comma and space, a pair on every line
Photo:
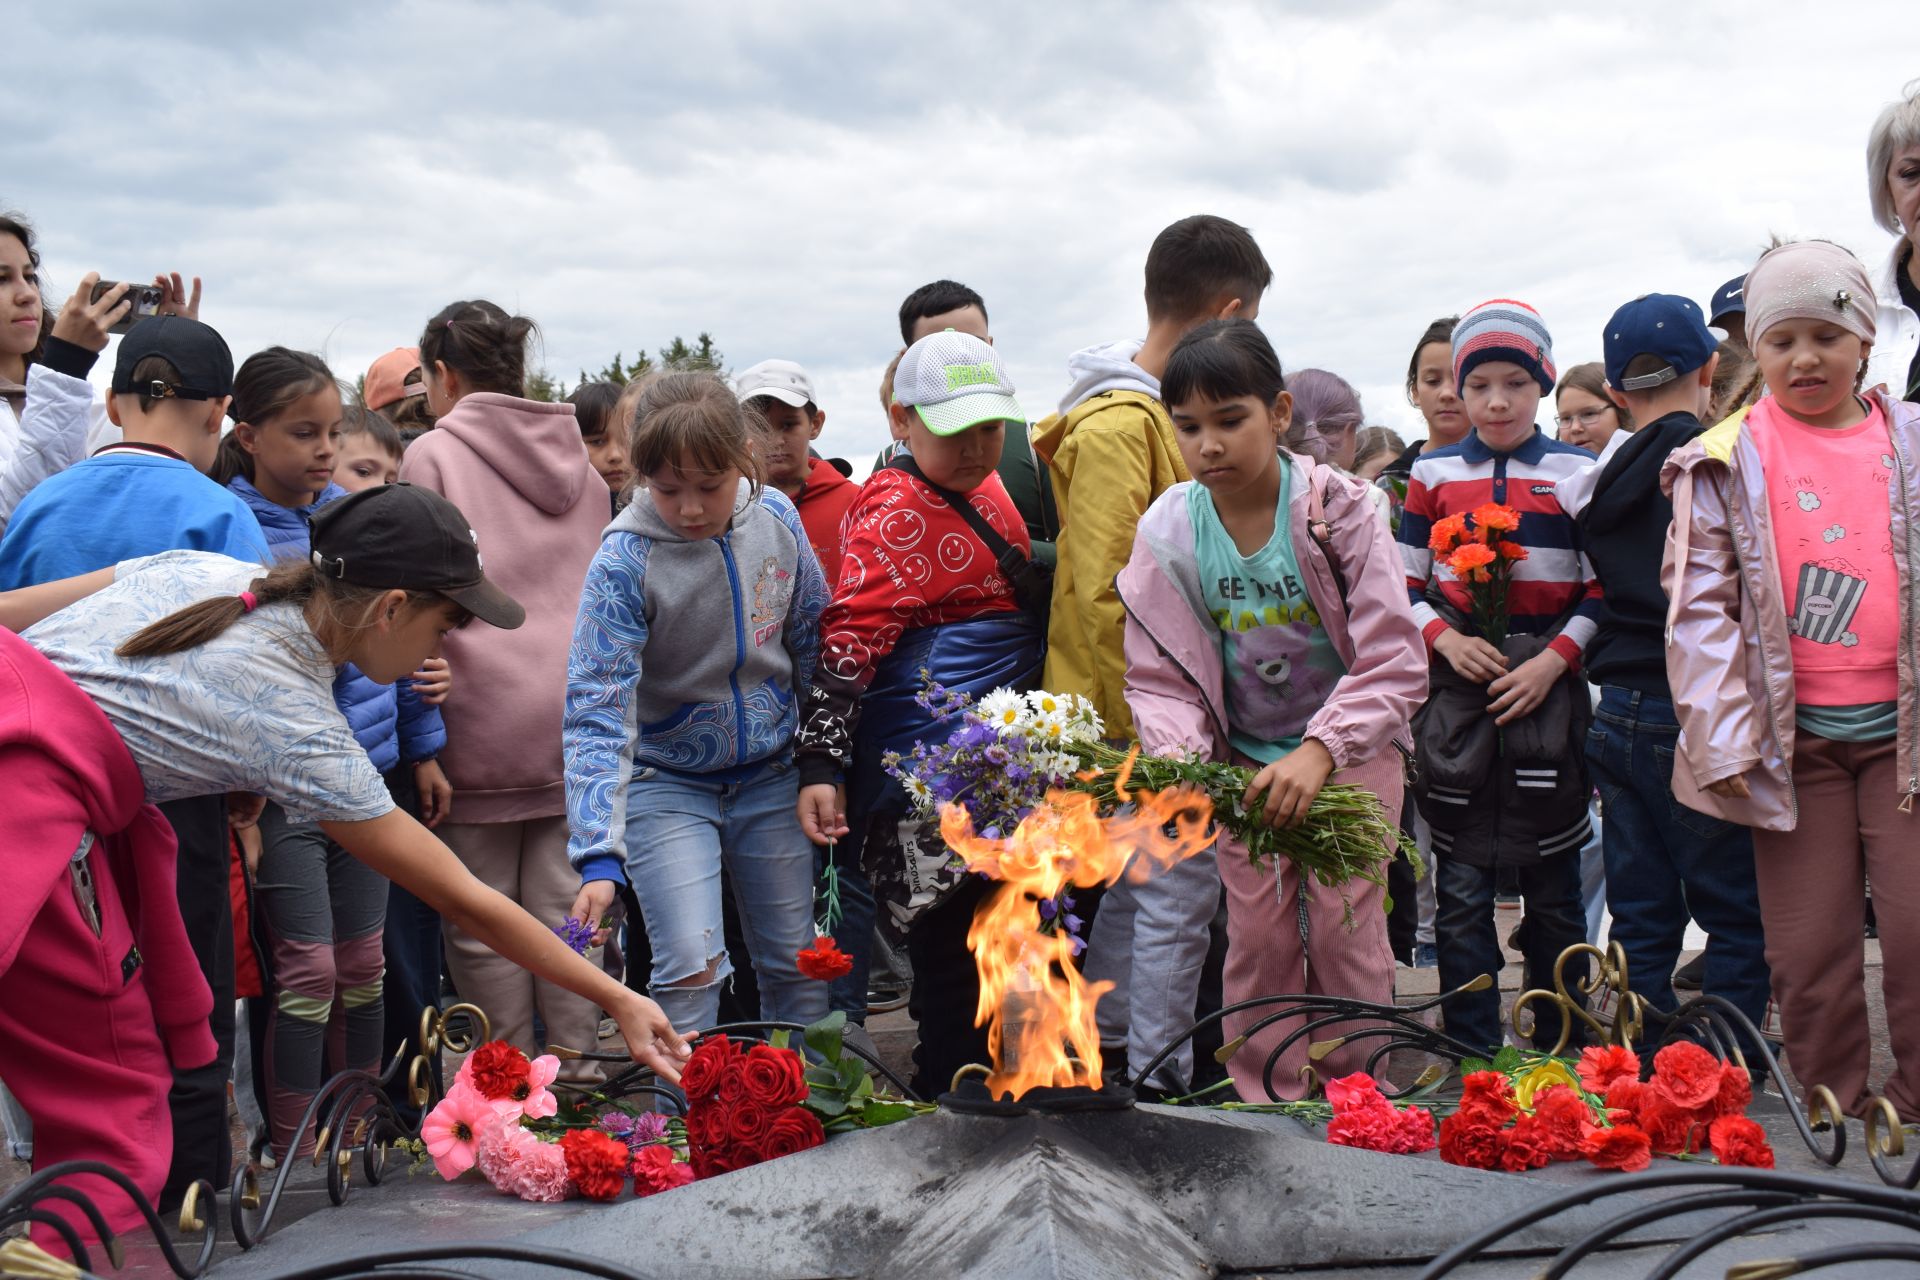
1730, 299
1657, 324
198, 353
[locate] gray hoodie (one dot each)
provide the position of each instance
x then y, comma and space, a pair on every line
1107, 367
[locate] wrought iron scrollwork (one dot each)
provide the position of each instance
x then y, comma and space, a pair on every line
31, 1204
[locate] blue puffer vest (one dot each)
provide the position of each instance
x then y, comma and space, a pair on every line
390, 722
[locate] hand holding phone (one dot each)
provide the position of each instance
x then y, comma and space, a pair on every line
92, 313
144, 299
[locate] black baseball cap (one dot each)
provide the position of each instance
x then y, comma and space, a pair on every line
1656, 324
1730, 299
194, 349
403, 537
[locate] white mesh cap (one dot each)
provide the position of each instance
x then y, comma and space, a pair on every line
783, 380
955, 381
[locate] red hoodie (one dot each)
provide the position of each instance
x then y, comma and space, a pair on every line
69, 773
823, 503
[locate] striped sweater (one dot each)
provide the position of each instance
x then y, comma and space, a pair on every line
1553, 578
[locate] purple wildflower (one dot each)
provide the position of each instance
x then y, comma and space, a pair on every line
577, 934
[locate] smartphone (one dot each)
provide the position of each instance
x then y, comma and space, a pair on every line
146, 300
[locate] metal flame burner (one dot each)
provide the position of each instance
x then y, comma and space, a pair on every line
969, 1097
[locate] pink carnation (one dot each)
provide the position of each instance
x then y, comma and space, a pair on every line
520, 1164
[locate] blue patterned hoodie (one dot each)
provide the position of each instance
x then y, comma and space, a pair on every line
728, 628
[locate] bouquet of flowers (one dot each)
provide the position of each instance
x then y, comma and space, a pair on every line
1473, 548
1013, 748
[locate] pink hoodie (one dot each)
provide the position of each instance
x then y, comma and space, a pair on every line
1175, 680
518, 470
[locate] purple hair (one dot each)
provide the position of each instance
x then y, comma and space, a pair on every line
1326, 416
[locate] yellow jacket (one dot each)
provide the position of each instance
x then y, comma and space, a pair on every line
1111, 455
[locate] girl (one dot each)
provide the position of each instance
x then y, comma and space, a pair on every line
1790, 565
197, 674
322, 910
1586, 417
678, 748
1373, 449
1326, 425
1291, 650
604, 432
518, 466
1431, 390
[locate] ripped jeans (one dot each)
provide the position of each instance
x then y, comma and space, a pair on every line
680, 829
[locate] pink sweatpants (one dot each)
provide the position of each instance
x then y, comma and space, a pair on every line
1813, 908
84, 1056
1265, 956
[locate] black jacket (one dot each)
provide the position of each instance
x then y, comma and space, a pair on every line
1624, 531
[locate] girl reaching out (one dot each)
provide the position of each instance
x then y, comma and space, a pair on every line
1268, 623
202, 675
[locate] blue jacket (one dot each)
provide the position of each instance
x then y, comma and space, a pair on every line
389, 721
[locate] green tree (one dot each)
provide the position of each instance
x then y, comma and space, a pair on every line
542, 385
701, 355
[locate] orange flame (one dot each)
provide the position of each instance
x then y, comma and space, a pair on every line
1036, 1006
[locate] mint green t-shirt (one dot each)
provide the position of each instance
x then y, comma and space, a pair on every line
1280, 665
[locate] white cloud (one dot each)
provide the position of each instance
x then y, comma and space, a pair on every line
781, 175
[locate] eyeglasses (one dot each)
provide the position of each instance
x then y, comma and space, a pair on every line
1585, 417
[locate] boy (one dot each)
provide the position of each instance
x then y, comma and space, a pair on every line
782, 394
1501, 786
948, 304
172, 382
902, 615
1664, 861
1112, 445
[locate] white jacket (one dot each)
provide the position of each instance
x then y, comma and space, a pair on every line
59, 425
1896, 331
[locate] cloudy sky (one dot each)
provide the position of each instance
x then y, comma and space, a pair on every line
781, 174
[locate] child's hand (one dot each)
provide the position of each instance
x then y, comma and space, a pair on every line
591, 904
436, 793
1291, 784
1734, 788
650, 1038
823, 812
1471, 657
1520, 691
433, 681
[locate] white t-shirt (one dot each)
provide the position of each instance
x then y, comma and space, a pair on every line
251, 710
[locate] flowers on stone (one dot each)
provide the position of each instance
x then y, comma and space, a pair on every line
1624, 1147
1601, 1065
522, 1163
793, 1130
655, 1170
1737, 1140
824, 960
596, 1162
494, 1070
451, 1131
1363, 1118
1686, 1075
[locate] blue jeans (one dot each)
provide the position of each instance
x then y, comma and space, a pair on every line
1666, 862
680, 829
1469, 942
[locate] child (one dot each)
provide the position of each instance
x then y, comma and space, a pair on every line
172, 379
1113, 444
962, 626
948, 304
131, 692
1373, 449
518, 467
1431, 390
1790, 649
322, 910
370, 450
1500, 786
1321, 677
604, 432
1664, 863
678, 750
1585, 415
396, 386
786, 424
1326, 424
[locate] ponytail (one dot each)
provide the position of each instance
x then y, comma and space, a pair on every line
482, 343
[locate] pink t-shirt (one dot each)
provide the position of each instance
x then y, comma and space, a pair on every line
1832, 533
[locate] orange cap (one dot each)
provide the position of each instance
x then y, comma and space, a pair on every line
387, 378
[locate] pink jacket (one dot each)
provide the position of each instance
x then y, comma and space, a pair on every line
518, 470
1727, 637
1175, 681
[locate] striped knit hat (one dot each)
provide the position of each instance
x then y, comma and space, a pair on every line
1503, 330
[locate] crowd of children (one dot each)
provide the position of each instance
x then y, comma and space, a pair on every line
665, 708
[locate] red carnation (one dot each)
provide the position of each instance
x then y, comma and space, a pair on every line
1624, 1147
1601, 1065
794, 1129
596, 1162
773, 1077
1686, 1075
1671, 1129
1354, 1093
1487, 1097
1469, 1142
1737, 1140
497, 1069
1528, 1146
1626, 1095
1735, 1092
708, 1067
824, 960
655, 1170
1565, 1119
